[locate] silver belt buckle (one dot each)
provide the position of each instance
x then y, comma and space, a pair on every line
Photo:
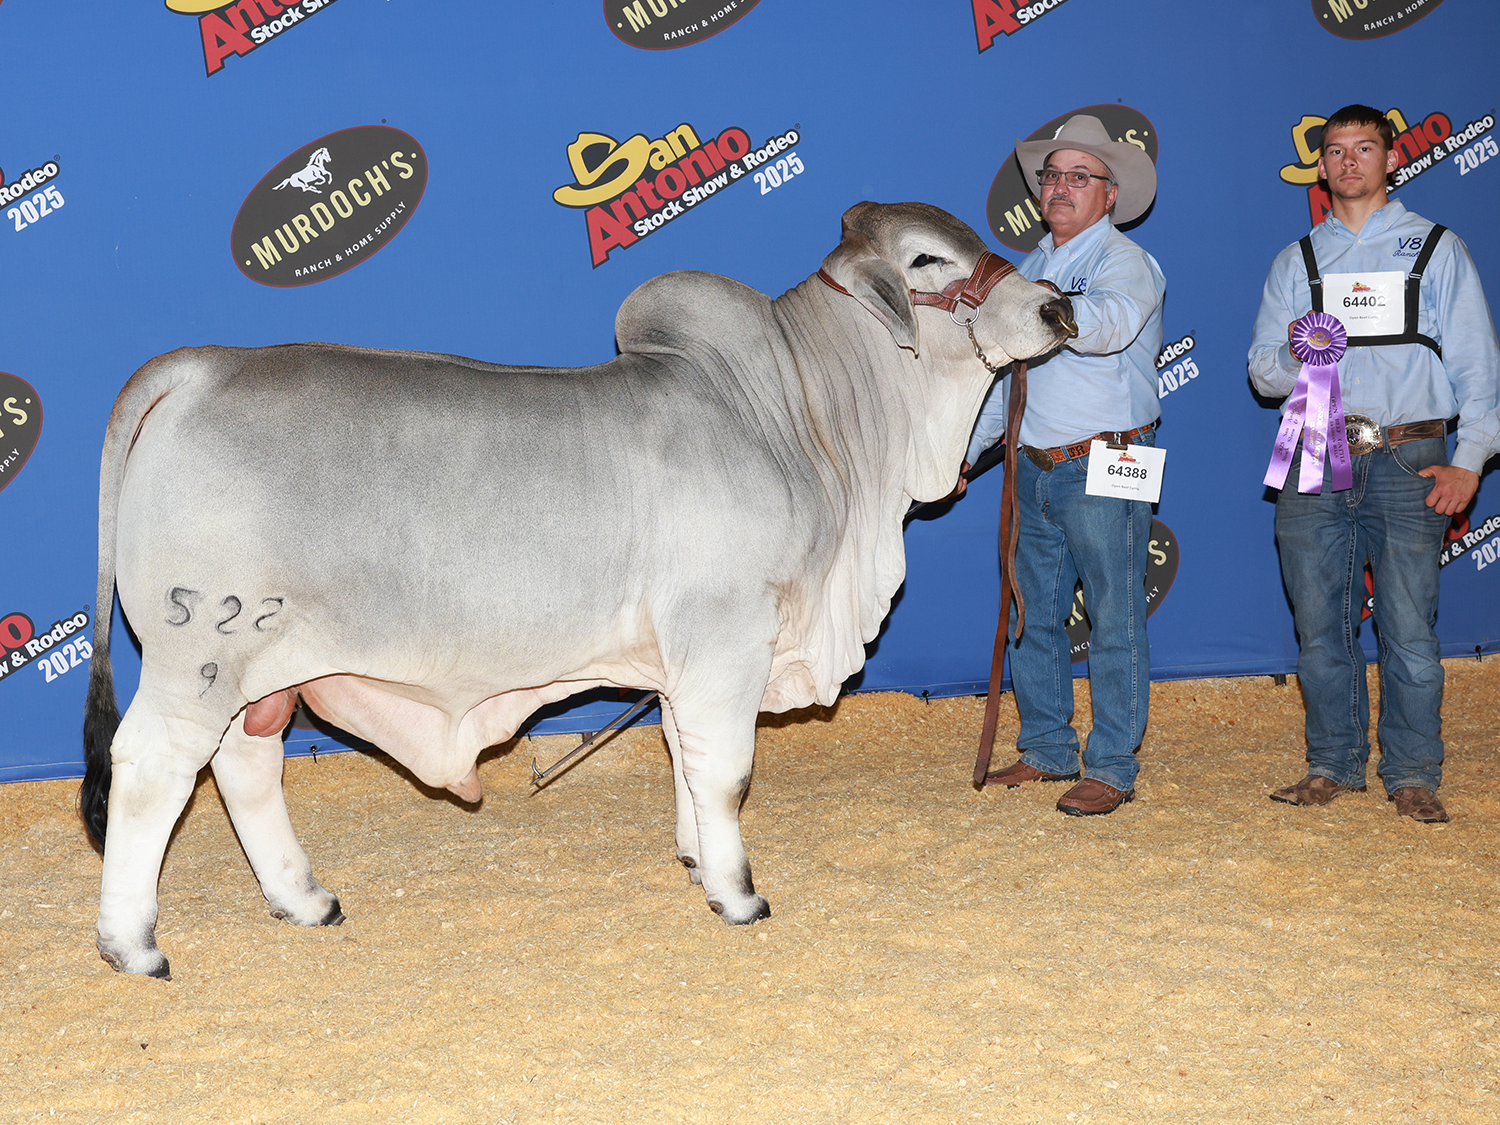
1363, 434
1039, 457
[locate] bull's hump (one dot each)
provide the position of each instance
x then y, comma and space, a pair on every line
682, 312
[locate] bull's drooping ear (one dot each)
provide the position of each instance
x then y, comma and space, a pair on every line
875, 283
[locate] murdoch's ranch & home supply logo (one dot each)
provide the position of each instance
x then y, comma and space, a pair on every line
243, 26
1420, 147
663, 25
630, 189
329, 206
1369, 19
20, 424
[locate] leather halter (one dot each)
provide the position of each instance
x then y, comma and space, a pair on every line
966, 295
959, 299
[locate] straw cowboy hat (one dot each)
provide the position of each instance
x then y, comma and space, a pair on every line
1130, 166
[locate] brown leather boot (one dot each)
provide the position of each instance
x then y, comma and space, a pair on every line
1091, 797
1422, 805
1020, 773
1314, 789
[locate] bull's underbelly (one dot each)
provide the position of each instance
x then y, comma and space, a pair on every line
435, 741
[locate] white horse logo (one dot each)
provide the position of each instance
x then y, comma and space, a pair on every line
315, 173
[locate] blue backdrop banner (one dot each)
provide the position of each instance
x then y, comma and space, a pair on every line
492, 179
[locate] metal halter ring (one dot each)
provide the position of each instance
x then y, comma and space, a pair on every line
970, 315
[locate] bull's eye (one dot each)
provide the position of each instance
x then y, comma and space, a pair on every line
926, 260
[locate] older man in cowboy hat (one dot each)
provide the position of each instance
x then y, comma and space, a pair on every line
1101, 385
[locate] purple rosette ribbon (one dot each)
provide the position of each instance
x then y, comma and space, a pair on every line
1315, 409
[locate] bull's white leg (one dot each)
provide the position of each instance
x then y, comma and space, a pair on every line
248, 771
155, 762
687, 821
716, 749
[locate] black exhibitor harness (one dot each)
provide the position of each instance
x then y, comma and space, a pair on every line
1410, 335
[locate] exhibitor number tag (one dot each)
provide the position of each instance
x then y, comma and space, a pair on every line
1130, 472
1367, 304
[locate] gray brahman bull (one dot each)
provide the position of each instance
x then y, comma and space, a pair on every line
427, 548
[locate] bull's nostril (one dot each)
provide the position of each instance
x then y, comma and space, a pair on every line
1060, 314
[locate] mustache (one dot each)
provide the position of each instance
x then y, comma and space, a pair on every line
1059, 199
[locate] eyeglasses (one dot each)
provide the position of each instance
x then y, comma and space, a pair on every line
1074, 179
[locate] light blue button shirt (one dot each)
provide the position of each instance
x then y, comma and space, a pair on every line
1394, 383
1106, 378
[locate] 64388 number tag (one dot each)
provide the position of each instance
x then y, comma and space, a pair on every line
1131, 472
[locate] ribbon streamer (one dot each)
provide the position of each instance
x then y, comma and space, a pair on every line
1315, 409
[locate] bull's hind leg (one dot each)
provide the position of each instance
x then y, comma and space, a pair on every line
714, 752
248, 772
155, 756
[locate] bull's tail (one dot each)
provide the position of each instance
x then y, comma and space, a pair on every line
101, 713
101, 718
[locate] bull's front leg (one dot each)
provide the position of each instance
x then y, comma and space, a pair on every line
687, 820
152, 777
713, 749
248, 772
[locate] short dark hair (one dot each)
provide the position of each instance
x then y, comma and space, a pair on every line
1355, 115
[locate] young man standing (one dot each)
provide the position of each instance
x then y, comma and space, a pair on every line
1101, 385
1421, 350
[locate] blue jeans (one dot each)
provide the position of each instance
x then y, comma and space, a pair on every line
1067, 535
1324, 541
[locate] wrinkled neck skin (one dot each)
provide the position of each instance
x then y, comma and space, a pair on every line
919, 408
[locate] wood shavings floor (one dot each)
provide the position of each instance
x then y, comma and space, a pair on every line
936, 955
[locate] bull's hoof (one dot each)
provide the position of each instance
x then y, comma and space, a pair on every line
146, 962
319, 909
752, 909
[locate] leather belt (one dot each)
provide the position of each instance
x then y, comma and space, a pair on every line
1366, 437
1049, 459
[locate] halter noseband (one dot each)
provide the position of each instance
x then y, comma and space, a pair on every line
959, 299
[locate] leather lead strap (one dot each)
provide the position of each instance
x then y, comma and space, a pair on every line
1010, 523
1010, 529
